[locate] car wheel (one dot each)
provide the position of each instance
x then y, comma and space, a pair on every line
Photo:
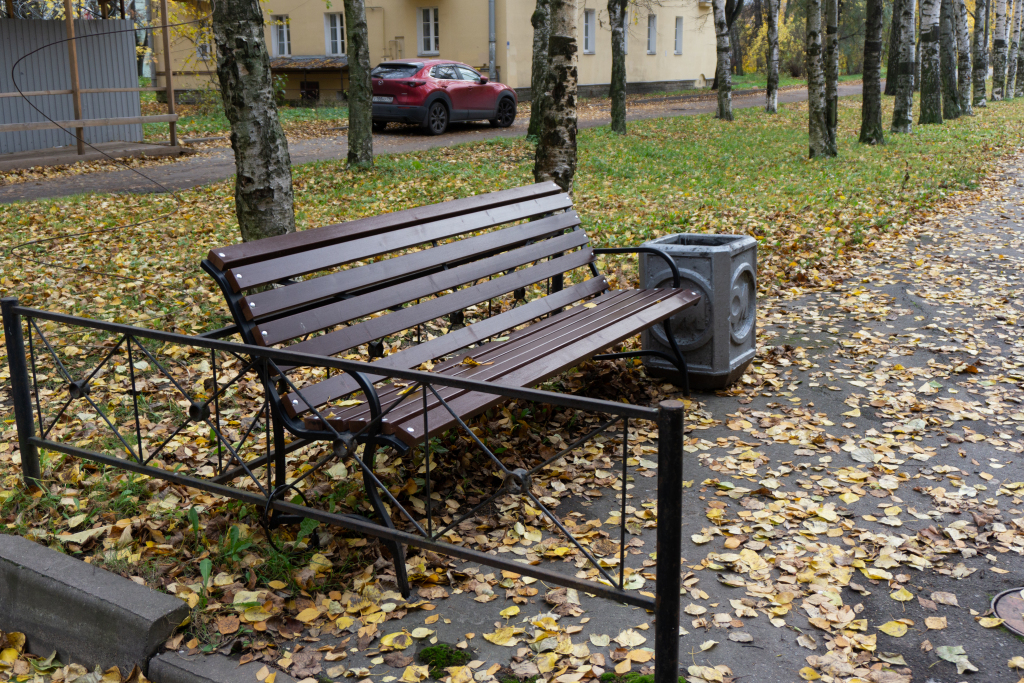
379, 126
437, 119
506, 114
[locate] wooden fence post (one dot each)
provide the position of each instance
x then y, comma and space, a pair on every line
168, 68
76, 95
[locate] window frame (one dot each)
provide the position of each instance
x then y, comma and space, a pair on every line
679, 36
589, 31
281, 29
341, 34
652, 34
433, 37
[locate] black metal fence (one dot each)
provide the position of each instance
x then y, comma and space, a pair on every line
122, 376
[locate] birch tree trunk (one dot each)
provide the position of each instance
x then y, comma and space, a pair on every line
263, 168
871, 132
538, 77
947, 62
963, 44
893, 65
832, 70
723, 72
999, 52
980, 58
556, 148
902, 114
1018, 87
931, 77
817, 124
1011, 59
617, 18
360, 91
771, 104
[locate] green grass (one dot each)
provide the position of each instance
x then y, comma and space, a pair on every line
441, 656
758, 80
611, 677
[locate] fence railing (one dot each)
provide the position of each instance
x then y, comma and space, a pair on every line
194, 411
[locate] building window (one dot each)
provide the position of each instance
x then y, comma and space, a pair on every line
652, 34
427, 28
282, 34
679, 35
334, 39
204, 52
589, 31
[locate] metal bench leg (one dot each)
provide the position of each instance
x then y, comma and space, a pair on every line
680, 359
396, 549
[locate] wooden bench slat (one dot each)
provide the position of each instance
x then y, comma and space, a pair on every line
342, 385
277, 268
291, 327
545, 366
502, 356
542, 363
310, 291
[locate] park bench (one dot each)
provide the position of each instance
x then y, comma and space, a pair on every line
331, 290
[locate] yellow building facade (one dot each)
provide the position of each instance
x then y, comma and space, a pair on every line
670, 45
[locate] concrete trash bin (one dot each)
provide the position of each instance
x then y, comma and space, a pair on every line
718, 336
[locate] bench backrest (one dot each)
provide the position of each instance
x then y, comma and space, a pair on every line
332, 289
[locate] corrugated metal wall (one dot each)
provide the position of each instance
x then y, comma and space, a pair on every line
104, 61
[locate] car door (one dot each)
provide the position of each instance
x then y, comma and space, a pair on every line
447, 77
483, 97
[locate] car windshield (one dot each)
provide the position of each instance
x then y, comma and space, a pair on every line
388, 71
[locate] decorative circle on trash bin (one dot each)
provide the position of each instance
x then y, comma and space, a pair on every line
742, 303
692, 327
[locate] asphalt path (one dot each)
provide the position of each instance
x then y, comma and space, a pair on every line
219, 164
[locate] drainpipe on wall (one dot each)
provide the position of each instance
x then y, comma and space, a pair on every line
491, 67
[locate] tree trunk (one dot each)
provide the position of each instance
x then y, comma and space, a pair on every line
737, 48
963, 45
931, 76
999, 52
902, 114
723, 73
871, 132
817, 125
832, 69
617, 17
980, 54
1011, 59
892, 67
772, 95
360, 91
1018, 87
556, 149
917, 53
263, 168
541, 21
947, 49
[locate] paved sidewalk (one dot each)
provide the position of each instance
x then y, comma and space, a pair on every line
219, 163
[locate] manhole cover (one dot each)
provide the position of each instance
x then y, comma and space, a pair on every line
1009, 606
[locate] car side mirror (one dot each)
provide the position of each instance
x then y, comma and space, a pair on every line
483, 79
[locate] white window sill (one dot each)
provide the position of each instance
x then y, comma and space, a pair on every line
589, 52
428, 54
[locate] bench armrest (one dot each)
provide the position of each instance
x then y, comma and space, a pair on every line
676, 280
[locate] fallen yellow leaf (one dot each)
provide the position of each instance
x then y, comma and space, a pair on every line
894, 629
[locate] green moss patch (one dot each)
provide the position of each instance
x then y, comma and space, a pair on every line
441, 656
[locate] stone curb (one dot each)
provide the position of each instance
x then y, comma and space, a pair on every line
171, 667
88, 615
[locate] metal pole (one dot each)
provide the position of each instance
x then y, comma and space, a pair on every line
491, 66
671, 416
76, 94
21, 392
10, 9
168, 77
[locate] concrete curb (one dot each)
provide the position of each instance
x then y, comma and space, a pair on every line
88, 615
171, 667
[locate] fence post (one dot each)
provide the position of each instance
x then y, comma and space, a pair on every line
21, 392
671, 416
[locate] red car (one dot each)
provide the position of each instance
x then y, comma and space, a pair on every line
435, 92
